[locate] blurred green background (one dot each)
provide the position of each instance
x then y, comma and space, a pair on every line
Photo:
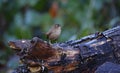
24, 19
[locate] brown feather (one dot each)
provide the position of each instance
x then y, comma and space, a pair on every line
54, 32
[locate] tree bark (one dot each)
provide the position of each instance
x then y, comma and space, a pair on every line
76, 56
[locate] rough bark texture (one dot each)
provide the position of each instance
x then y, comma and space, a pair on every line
108, 67
76, 56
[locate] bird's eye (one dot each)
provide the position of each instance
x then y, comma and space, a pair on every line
58, 25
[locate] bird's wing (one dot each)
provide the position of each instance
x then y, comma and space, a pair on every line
50, 31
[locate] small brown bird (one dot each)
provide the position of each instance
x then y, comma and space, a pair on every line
54, 32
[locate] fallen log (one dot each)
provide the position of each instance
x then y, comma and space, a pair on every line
108, 67
76, 56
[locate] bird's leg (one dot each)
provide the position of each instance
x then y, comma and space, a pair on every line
49, 42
